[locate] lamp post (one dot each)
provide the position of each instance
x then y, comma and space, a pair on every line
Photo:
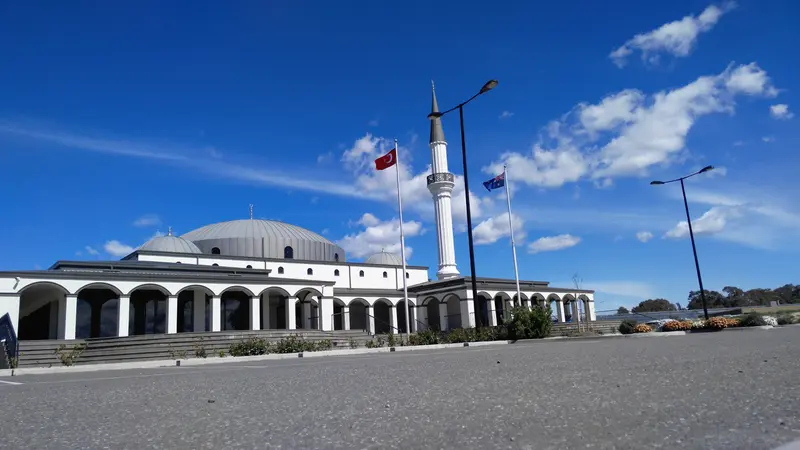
491, 84
691, 233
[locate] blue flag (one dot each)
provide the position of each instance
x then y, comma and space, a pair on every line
496, 182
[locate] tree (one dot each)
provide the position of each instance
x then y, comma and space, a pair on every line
623, 310
713, 300
679, 306
653, 305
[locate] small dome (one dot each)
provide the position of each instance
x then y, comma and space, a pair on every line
170, 244
385, 259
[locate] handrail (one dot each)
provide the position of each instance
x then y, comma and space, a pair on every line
375, 319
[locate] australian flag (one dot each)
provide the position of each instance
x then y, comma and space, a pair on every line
496, 182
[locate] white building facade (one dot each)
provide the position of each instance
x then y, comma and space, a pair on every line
254, 274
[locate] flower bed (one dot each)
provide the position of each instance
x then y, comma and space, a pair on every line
642, 328
677, 325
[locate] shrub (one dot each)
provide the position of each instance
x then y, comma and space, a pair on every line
627, 326
786, 319
752, 319
771, 321
392, 341
534, 323
717, 323
427, 337
678, 325
249, 347
642, 328
732, 322
68, 357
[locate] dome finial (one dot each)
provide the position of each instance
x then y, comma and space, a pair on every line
251, 210
169, 231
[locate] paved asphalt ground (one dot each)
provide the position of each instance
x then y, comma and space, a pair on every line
730, 390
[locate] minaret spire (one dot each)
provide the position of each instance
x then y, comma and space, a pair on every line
440, 184
251, 211
437, 134
169, 231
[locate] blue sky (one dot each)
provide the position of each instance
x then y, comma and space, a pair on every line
119, 121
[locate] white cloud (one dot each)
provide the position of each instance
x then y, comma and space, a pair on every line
712, 221
91, 251
325, 158
676, 38
553, 243
492, 229
780, 111
768, 139
117, 248
644, 236
147, 220
379, 236
373, 123
627, 133
506, 115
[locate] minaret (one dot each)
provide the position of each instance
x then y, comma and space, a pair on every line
441, 183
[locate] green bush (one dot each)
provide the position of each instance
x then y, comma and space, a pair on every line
752, 319
627, 326
786, 319
427, 337
249, 347
534, 323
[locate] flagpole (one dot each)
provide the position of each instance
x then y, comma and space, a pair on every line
402, 240
511, 227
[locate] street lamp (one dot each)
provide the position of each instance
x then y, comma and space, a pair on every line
691, 233
491, 84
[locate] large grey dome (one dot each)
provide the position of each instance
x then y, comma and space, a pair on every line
385, 259
264, 239
170, 244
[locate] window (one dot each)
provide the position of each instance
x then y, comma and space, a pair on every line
310, 271
385, 275
336, 273
178, 262
215, 265
406, 274
215, 251
249, 266
288, 252
336, 257
280, 270
361, 274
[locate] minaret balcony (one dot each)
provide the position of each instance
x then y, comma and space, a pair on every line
441, 177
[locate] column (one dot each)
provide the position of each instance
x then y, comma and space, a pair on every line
124, 316
422, 317
590, 313
291, 319
576, 311
264, 302
306, 321
393, 319
467, 312
443, 319
370, 319
346, 318
199, 311
325, 319
172, 314
255, 312
560, 310
491, 311
68, 317
216, 313
52, 333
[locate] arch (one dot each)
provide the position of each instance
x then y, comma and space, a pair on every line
275, 289
482, 309
152, 287
336, 273
215, 251
288, 252
538, 300
361, 273
584, 298
407, 275
400, 310
357, 301
428, 300
523, 300
382, 311
385, 274
310, 290
310, 271
339, 302
502, 303
215, 265
239, 289
336, 257
280, 270
42, 284
454, 319
431, 305
249, 267
382, 300
99, 285
235, 308
553, 298
195, 287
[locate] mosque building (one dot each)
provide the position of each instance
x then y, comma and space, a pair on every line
253, 274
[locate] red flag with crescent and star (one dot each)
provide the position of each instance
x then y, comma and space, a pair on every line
387, 160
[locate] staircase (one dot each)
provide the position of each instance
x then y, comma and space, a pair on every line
169, 346
586, 328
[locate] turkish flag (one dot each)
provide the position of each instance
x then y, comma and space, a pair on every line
387, 160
